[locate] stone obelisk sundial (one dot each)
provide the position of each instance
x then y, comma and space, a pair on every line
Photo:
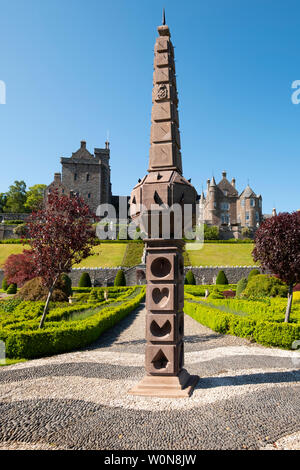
151, 198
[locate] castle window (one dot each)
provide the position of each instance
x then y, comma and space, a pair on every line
215, 205
75, 176
87, 177
63, 191
252, 202
247, 215
225, 192
243, 202
89, 195
260, 203
225, 218
257, 216
225, 206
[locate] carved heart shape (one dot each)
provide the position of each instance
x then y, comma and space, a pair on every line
160, 296
156, 330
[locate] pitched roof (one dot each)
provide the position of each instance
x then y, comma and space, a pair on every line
248, 192
224, 185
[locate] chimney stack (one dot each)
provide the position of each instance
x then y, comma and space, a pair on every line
233, 182
83, 144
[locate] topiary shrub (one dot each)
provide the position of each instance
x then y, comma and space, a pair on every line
241, 286
85, 280
65, 284
263, 285
221, 278
4, 284
12, 289
252, 273
35, 290
120, 279
190, 278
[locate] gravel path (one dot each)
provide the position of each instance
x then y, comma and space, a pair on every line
247, 397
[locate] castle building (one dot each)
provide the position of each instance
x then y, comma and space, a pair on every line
85, 174
225, 208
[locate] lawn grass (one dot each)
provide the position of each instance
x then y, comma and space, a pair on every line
221, 254
106, 255
10, 249
109, 255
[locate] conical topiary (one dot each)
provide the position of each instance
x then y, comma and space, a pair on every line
66, 284
12, 289
120, 279
85, 280
190, 278
221, 278
4, 284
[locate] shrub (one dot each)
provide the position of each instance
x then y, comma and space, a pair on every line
269, 333
252, 273
59, 337
241, 286
21, 230
35, 290
263, 285
190, 278
120, 279
221, 278
66, 284
12, 289
4, 284
85, 280
211, 233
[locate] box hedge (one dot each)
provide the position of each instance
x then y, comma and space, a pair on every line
65, 336
268, 333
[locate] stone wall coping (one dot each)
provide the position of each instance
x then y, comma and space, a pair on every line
219, 267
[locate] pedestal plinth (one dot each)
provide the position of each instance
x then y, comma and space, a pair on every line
164, 357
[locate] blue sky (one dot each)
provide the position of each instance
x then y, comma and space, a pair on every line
75, 69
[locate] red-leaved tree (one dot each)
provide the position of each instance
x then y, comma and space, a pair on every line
20, 268
61, 234
277, 247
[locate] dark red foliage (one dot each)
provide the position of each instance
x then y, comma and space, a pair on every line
296, 288
60, 235
228, 294
20, 268
277, 246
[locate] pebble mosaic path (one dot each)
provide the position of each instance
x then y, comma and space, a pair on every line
248, 396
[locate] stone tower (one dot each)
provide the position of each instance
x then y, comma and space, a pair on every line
163, 187
85, 174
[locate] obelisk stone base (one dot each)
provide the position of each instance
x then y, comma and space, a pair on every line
180, 386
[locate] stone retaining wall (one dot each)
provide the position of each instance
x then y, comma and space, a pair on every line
203, 274
7, 232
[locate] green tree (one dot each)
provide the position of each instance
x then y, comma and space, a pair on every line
34, 197
16, 197
211, 233
3, 200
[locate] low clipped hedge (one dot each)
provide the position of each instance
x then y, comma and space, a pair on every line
277, 334
199, 290
61, 337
